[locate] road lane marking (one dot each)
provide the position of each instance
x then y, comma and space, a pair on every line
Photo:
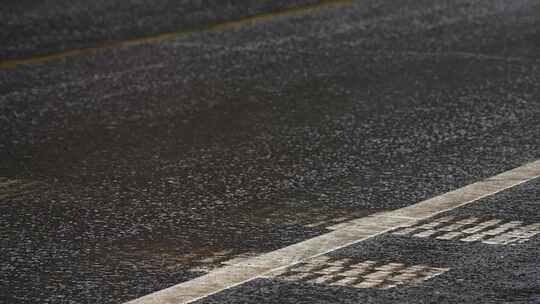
349, 233
11, 63
365, 274
473, 229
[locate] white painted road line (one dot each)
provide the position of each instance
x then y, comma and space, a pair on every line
494, 231
366, 274
349, 233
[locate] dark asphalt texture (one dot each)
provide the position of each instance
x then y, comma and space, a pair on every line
478, 272
154, 163
32, 28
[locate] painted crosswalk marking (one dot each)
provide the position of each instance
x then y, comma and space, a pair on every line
473, 229
364, 274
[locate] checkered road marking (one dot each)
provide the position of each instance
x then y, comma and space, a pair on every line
365, 274
473, 229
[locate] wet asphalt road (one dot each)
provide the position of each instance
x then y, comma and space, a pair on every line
474, 272
30, 28
127, 170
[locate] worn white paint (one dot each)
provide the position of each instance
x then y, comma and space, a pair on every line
471, 229
345, 234
365, 274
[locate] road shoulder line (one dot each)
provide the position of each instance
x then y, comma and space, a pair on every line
345, 234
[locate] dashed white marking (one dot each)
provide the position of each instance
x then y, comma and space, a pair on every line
348, 233
450, 235
367, 274
330, 270
426, 233
494, 231
481, 226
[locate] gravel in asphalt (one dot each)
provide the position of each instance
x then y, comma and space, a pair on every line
409, 269
29, 28
152, 164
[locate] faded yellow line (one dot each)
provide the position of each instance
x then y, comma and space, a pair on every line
11, 63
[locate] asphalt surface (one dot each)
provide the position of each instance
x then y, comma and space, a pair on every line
127, 170
474, 272
29, 28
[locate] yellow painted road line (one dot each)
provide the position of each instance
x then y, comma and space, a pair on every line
11, 63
